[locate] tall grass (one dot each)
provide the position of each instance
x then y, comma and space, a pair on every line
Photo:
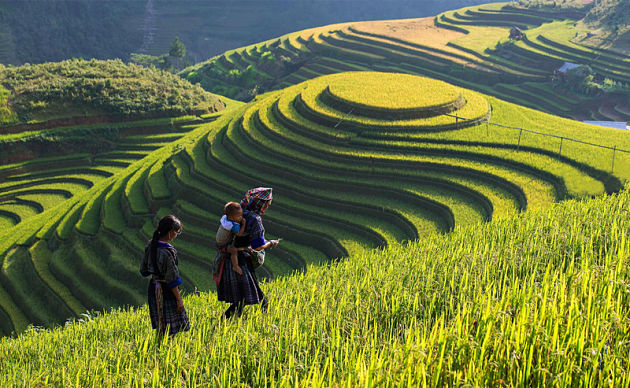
540, 299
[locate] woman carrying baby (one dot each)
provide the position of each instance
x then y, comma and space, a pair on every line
243, 289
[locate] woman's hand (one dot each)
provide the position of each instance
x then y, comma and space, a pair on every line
274, 243
180, 306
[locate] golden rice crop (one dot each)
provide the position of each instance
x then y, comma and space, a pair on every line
539, 299
389, 90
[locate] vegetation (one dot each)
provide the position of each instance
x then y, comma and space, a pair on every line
87, 88
7, 116
614, 15
39, 31
33, 186
417, 113
468, 47
172, 61
531, 300
343, 189
367, 169
394, 91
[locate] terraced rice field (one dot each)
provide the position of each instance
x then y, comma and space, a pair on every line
462, 47
354, 166
33, 186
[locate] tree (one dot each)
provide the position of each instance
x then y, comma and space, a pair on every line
177, 48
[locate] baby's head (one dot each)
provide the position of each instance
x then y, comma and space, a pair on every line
233, 211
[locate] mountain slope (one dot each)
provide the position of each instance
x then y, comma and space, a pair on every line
56, 30
469, 47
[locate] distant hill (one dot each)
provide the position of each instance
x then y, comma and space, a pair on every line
80, 89
611, 20
611, 14
54, 30
470, 47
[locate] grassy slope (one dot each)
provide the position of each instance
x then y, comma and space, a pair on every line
611, 20
78, 88
572, 173
531, 300
75, 90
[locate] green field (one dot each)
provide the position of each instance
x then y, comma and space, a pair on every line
32, 186
87, 121
434, 231
345, 184
532, 300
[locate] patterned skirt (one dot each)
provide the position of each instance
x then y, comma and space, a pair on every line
234, 288
166, 318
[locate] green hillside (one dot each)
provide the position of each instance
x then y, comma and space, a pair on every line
87, 120
469, 47
353, 165
40, 169
78, 89
534, 300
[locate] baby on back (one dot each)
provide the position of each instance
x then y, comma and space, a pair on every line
232, 224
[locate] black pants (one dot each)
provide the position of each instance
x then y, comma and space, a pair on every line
237, 308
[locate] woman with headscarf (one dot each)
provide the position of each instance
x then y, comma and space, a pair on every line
241, 290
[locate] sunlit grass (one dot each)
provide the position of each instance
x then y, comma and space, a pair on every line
539, 299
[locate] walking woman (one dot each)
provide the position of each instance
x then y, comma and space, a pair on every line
241, 290
166, 307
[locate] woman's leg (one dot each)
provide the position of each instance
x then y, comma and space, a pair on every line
235, 308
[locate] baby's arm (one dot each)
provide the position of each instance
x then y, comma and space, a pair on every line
242, 230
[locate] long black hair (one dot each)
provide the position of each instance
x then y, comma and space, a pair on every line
166, 224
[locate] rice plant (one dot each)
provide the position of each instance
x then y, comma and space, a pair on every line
535, 300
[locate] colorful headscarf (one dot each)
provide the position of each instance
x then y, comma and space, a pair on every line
255, 199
